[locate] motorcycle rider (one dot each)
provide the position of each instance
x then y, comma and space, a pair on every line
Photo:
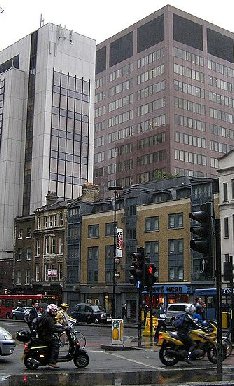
184, 330
46, 330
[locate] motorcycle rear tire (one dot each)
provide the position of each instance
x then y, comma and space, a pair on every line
81, 360
29, 363
212, 354
167, 359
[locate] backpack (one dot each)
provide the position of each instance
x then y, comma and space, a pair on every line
178, 321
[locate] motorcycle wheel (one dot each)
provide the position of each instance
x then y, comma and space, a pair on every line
81, 360
30, 363
167, 356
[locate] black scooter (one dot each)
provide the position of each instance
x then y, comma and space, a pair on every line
36, 353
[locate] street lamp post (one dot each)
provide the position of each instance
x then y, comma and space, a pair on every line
115, 189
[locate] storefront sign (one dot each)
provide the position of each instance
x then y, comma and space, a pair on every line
171, 289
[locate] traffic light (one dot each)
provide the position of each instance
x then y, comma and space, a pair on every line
203, 236
137, 268
150, 275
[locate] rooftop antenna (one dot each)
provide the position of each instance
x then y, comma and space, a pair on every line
42, 21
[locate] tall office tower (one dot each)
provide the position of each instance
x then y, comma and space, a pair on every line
47, 82
164, 100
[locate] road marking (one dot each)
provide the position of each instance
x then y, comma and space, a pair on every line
135, 361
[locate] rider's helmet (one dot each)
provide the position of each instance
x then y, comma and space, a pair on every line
64, 306
190, 309
52, 309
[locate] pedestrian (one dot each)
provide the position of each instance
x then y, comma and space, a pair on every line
124, 311
31, 316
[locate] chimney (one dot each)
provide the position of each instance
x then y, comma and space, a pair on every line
90, 192
51, 198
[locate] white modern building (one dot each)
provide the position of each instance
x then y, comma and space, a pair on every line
47, 82
226, 188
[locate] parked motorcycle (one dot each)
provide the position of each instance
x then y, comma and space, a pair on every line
172, 349
36, 352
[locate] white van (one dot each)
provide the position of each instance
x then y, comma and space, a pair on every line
175, 309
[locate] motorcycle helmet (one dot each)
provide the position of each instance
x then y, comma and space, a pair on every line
52, 309
190, 309
64, 306
23, 336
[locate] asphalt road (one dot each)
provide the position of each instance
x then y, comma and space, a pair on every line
137, 366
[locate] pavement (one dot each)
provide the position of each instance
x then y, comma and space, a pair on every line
127, 364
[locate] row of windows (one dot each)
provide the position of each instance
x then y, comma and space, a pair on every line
188, 56
151, 141
150, 124
189, 122
222, 131
188, 72
125, 101
220, 83
190, 140
151, 90
228, 192
151, 74
121, 118
120, 134
175, 221
125, 70
187, 105
221, 115
147, 159
185, 156
51, 221
189, 89
151, 106
188, 172
150, 58
219, 147
51, 273
120, 88
150, 175
100, 111
221, 99
222, 69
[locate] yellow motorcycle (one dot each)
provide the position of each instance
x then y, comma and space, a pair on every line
172, 350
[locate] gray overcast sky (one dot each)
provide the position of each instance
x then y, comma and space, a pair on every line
99, 19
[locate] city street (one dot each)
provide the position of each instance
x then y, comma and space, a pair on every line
135, 363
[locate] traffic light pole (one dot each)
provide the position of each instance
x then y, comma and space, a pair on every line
218, 272
139, 316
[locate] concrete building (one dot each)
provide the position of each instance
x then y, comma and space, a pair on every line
46, 122
226, 205
164, 100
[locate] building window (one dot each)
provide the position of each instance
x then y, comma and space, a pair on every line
92, 273
20, 234
175, 220
232, 186
93, 231
27, 276
61, 219
19, 254
18, 277
225, 192
109, 229
28, 253
60, 245
226, 228
29, 233
37, 272
152, 224
53, 245
109, 258
176, 259
37, 247
46, 222
47, 246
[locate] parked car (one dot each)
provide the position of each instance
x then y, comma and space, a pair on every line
7, 343
19, 312
175, 309
88, 313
